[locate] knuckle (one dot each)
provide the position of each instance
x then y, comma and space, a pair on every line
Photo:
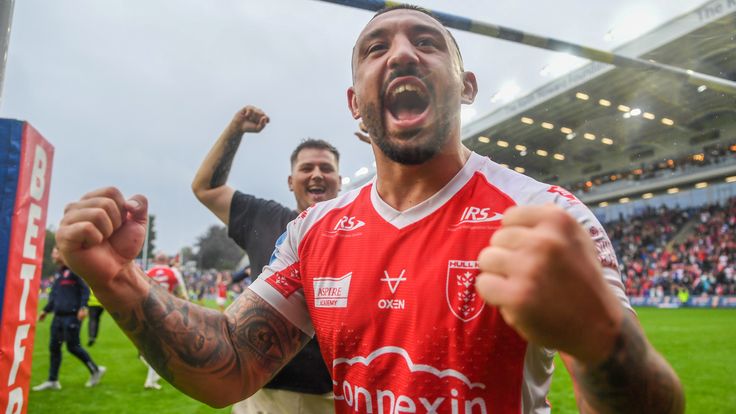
69, 207
88, 228
110, 191
485, 257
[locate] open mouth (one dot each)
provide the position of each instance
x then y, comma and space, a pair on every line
316, 190
407, 101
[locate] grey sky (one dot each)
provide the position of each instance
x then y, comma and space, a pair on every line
132, 93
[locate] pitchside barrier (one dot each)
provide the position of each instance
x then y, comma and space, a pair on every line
25, 176
692, 302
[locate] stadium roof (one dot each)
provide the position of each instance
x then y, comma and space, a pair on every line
601, 119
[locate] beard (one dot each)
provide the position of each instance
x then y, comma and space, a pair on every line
409, 148
401, 149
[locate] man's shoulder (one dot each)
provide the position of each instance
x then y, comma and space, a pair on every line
523, 189
316, 214
241, 201
323, 208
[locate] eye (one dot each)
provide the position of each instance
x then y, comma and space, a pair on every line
375, 48
426, 42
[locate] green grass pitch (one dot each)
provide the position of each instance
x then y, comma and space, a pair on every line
699, 343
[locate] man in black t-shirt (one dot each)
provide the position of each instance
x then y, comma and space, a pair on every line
304, 385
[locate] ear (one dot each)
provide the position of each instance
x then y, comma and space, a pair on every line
470, 88
339, 183
291, 185
353, 103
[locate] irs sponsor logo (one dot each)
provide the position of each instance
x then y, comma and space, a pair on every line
460, 293
347, 224
369, 399
473, 214
331, 292
556, 189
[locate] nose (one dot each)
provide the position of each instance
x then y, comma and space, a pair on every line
402, 53
317, 173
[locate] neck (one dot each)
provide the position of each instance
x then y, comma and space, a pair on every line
404, 186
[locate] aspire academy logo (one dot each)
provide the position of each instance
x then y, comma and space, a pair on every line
331, 292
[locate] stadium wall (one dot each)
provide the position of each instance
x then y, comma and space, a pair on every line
693, 302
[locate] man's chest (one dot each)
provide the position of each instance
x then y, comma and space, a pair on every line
393, 306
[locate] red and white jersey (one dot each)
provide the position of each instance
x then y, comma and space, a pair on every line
391, 298
222, 290
164, 276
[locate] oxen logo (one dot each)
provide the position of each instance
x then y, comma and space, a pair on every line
462, 299
393, 282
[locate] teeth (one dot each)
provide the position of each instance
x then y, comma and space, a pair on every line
406, 88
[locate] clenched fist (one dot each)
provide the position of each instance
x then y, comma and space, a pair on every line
249, 119
542, 271
101, 233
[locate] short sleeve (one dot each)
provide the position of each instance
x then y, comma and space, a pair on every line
255, 224
603, 246
280, 283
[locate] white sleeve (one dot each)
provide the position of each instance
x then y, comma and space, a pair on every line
606, 252
280, 283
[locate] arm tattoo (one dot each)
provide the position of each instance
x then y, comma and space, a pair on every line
264, 335
222, 168
195, 349
634, 379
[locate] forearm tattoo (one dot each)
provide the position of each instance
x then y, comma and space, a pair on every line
632, 380
222, 168
263, 334
195, 348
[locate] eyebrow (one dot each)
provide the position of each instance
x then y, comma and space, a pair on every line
373, 34
425, 28
416, 29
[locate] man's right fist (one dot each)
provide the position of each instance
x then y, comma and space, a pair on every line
101, 233
249, 119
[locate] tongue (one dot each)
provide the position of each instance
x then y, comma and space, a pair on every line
407, 113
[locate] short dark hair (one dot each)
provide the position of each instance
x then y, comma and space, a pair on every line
315, 144
403, 6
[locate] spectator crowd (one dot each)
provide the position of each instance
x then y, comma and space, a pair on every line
665, 250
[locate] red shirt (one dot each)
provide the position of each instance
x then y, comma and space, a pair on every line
222, 290
164, 276
391, 298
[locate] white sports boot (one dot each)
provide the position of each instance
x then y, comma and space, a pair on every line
47, 385
96, 377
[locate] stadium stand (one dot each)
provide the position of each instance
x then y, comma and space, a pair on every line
662, 250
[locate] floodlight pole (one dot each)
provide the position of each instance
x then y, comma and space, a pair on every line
6, 22
556, 45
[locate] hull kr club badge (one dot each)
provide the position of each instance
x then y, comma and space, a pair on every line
462, 299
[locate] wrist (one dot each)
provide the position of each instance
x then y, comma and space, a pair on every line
124, 289
602, 340
233, 130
